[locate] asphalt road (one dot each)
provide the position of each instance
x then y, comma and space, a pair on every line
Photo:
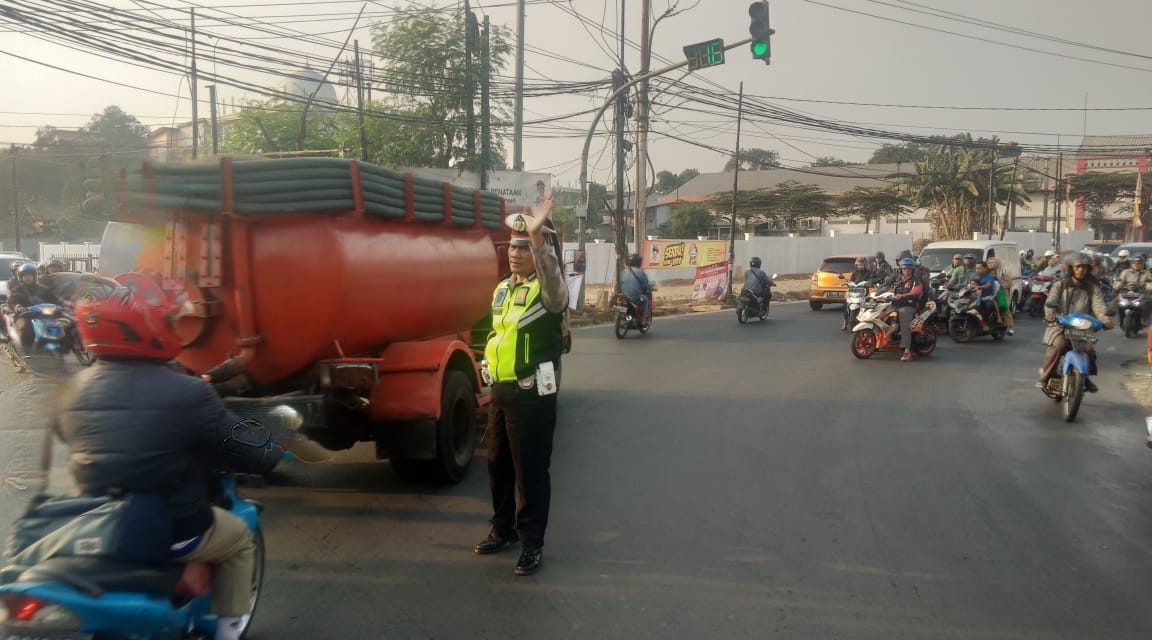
713, 480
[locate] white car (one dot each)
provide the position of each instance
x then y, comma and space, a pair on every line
7, 259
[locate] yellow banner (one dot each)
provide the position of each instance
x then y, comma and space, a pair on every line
680, 254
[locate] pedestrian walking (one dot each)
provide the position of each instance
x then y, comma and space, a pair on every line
523, 363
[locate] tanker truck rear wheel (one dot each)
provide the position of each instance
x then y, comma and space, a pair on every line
455, 436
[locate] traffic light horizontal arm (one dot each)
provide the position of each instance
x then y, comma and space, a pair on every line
612, 98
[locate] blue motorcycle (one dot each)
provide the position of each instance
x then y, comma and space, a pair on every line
1067, 387
53, 334
85, 597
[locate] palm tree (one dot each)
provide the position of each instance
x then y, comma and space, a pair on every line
953, 184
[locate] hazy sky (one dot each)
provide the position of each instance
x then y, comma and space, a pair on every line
823, 50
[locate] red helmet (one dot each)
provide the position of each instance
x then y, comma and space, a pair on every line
121, 327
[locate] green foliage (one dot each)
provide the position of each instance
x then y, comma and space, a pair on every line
954, 184
1098, 190
274, 125
916, 152
871, 203
893, 153
830, 161
426, 77
687, 221
668, 182
787, 202
754, 160
115, 130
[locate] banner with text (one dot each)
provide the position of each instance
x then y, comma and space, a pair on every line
678, 254
711, 283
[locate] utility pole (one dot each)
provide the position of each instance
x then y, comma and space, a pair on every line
469, 82
898, 172
641, 199
15, 199
1010, 205
360, 103
215, 123
192, 90
485, 110
518, 107
1059, 196
621, 219
992, 193
735, 190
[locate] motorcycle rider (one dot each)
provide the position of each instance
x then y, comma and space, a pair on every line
1139, 275
861, 273
132, 424
964, 275
986, 284
1078, 293
635, 286
956, 264
1026, 262
55, 265
881, 270
908, 290
758, 283
1123, 263
28, 292
1054, 269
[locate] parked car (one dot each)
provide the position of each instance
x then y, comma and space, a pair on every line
1100, 248
830, 280
7, 259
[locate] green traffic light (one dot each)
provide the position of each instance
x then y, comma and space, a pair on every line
759, 48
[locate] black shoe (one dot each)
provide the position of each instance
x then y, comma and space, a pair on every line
530, 560
496, 542
1090, 386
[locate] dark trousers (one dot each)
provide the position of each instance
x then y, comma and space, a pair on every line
521, 424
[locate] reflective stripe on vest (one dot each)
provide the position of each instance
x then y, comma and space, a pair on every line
514, 307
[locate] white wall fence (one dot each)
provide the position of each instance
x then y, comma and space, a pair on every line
802, 255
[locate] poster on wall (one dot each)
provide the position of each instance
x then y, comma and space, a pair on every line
678, 254
711, 284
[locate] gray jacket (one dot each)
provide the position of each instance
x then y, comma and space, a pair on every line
1065, 297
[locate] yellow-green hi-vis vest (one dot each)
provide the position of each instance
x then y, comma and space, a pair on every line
524, 333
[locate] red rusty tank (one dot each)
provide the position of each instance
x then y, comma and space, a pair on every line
284, 290
326, 287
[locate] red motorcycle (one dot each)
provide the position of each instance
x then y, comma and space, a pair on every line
1040, 286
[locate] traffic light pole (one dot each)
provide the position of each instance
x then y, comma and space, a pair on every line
612, 99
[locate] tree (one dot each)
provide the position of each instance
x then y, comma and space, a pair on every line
754, 160
274, 125
426, 77
830, 161
871, 203
687, 221
1098, 190
115, 130
954, 184
751, 206
794, 201
893, 153
668, 182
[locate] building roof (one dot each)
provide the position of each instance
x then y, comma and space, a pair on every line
834, 180
1115, 145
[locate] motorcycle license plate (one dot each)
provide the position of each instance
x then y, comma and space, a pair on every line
618, 308
1078, 334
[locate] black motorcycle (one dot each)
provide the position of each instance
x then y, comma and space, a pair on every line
628, 317
965, 320
1131, 309
750, 305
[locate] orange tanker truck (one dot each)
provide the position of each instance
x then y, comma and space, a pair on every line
347, 291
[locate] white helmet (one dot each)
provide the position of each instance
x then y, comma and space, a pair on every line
1049, 253
1123, 253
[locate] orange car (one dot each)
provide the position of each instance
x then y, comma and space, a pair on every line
828, 282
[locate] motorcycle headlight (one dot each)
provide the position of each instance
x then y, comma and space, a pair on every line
1123, 302
1135, 303
50, 311
1081, 323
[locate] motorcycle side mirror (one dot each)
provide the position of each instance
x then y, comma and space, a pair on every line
777, 275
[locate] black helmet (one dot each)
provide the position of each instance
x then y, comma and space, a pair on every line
969, 256
879, 255
1079, 259
907, 253
15, 267
26, 268
754, 263
634, 260
1139, 258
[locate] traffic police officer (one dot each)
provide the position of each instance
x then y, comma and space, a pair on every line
523, 364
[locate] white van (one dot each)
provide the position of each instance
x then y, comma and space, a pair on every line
938, 255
